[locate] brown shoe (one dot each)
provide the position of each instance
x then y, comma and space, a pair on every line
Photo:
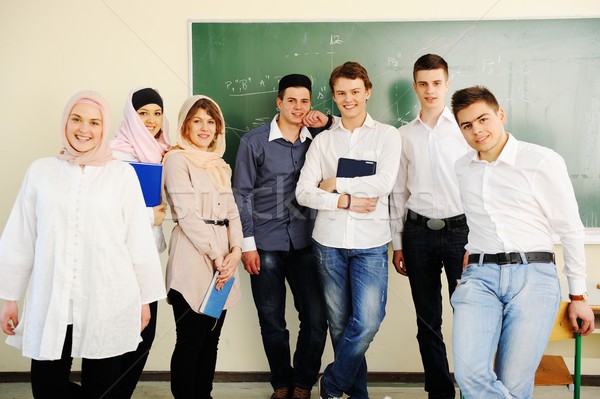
300, 393
281, 393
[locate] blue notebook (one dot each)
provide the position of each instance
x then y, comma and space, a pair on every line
355, 167
150, 177
214, 300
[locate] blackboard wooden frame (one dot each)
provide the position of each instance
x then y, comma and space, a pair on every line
544, 73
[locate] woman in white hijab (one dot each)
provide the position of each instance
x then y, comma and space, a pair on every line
78, 243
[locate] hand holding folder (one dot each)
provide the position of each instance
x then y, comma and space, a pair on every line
150, 177
214, 300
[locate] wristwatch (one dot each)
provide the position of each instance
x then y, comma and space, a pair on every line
583, 297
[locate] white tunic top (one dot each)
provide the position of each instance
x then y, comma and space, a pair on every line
79, 242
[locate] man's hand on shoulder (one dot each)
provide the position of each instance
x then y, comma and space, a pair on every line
251, 262
315, 118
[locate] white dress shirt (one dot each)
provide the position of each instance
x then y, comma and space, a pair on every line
78, 240
339, 228
515, 203
426, 182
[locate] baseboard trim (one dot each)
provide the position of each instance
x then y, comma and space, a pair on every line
260, 376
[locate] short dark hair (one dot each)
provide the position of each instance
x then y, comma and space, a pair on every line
464, 98
293, 80
429, 62
350, 70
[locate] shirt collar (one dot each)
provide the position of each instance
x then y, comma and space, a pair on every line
508, 154
337, 122
445, 115
275, 132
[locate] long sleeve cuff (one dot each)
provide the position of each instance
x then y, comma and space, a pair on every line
397, 242
248, 244
577, 285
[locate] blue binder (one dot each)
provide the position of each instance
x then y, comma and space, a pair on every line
214, 300
355, 167
150, 177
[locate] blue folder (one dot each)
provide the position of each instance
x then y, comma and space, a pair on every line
355, 167
150, 177
214, 300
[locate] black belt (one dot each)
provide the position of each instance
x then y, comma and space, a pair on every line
224, 222
437, 224
513, 257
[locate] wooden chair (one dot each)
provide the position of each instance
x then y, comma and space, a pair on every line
553, 369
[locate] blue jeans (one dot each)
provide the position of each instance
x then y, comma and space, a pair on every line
355, 287
426, 252
269, 291
506, 312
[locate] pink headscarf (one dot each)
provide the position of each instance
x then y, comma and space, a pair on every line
133, 137
101, 153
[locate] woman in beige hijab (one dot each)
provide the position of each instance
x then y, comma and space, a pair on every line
207, 237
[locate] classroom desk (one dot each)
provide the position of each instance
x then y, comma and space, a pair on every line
593, 289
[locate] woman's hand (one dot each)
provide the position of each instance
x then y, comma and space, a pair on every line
145, 315
160, 211
9, 317
228, 266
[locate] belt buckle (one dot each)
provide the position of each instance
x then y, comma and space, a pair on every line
436, 224
503, 258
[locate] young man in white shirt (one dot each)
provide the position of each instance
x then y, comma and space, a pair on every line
429, 228
515, 195
352, 229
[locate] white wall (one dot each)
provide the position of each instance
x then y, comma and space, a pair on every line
49, 50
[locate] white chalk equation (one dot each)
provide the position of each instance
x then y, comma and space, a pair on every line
334, 40
249, 86
268, 84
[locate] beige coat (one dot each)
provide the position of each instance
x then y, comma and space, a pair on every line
194, 244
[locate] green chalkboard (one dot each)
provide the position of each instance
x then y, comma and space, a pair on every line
545, 73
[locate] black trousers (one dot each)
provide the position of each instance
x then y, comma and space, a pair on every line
132, 363
195, 355
426, 253
50, 378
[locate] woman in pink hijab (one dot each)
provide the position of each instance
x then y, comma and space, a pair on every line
142, 136
77, 243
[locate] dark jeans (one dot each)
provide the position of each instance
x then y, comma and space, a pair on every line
269, 292
426, 252
195, 355
50, 378
132, 363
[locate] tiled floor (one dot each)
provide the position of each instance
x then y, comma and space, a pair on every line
160, 390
